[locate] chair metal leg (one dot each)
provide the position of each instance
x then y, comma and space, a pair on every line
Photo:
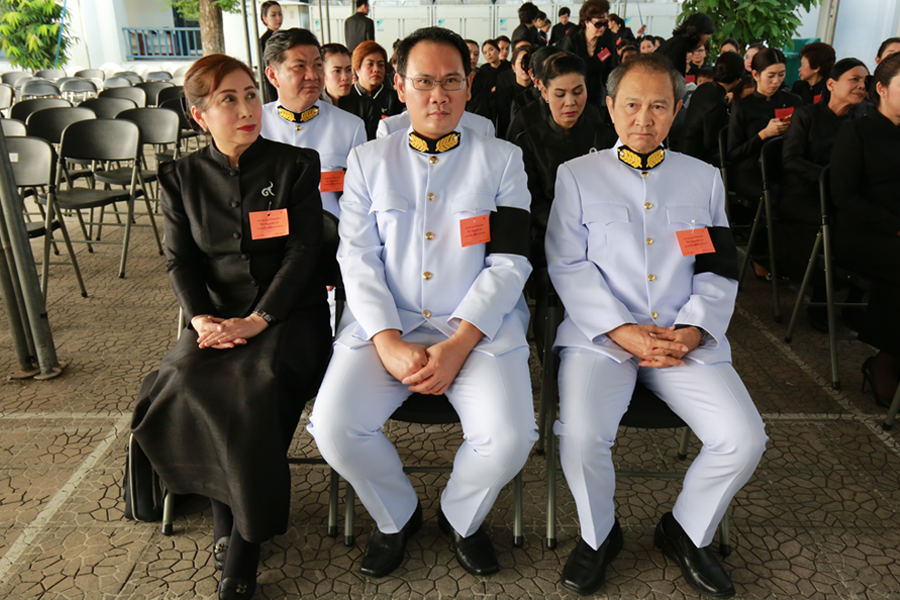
829, 299
153, 226
807, 278
724, 536
753, 230
84, 230
683, 446
71, 251
892, 412
48, 238
333, 489
168, 513
518, 488
127, 237
773, 268
349, 515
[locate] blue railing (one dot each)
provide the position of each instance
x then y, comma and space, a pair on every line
164, 42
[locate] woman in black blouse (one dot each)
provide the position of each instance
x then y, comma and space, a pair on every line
595, 45
816, 60
370, 66
707, 113
568, 133
506, 94
243, 223
693, 32
865, 182
339, 87
760, 116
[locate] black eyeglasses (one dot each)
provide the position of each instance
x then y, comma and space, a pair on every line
600, 23
424, 84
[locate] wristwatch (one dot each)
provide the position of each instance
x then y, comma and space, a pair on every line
704, 335
266, 316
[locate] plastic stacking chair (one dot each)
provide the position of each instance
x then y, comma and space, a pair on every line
101, 140
13, 76
49, 123
331, 276
822, 257
152, 89
21, 110
108, 108
187, 133
645, 411
77, 89
135, 94
13, 128
91, 74
51, 74
33, 167
158, 76
116, 82
39, 88
169, 93
131, 76
7, 95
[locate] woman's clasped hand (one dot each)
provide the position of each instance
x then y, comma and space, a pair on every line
222, 334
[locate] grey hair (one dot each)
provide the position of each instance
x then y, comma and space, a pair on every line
653, 63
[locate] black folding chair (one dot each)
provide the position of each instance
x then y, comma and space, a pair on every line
116, 82
187, 133
135, 94
13, 127
169, 93
91, 74
49, 123
79, 89
7, 95
158, 76
51, 74
21, 110
107, 108
12, 77
33, 168
822, 256
770, 163
152, 89
39, 88
131, 76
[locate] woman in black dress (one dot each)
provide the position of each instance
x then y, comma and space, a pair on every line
595, 44
243, 223
707, 114
506, 94
272, 17
370, 66
865, 179
569, 132
339, 87
692, 32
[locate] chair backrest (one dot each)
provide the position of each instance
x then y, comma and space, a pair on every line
771, 163
158, 76
101, 139
108, 108
168, 93
59, 82
116, 82
131, 76
50, 73
91, 74
32, 161
18, 83
152, 89
49, 123
157, 125
39, 87
175, 105
21, 110
7, 93
135, 94
13, 127
78, 86
13, 76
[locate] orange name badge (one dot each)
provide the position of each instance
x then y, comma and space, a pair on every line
332, 181
265, 224
476, 230
604, 54
695, 241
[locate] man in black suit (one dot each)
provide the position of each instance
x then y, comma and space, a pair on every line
359, 27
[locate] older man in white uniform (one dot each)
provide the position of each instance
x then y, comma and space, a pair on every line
434, 236
639, 251
300, 118
476, 123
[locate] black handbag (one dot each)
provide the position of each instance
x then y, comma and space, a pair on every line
142, 490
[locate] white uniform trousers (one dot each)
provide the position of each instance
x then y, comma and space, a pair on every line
594, 393
491, 395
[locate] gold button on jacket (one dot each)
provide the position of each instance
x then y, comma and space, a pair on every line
427, 275
433, 160
426, 314
651, 277
430, 197
429, 235
648, 205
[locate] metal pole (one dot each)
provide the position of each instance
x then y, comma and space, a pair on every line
327, 18
246, 31
16, 290
11, 304
31, 287
321, 20
260, 67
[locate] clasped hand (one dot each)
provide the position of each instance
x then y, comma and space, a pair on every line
656, 347
222, 334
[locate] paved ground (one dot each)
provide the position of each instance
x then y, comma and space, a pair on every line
818, 520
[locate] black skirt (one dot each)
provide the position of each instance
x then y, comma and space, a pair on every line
219, 422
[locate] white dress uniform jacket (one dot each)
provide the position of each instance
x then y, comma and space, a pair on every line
634, 271
401, 122
400, 253
333, 133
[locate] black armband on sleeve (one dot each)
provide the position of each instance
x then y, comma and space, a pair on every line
510, 231
724, 261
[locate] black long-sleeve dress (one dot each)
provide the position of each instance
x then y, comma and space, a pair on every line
219, 422
811, 94
706, 116
364, 108
865, 183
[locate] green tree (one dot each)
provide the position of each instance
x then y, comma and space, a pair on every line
209, 13
30, 30
772, 22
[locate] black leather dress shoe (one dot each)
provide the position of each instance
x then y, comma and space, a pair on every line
698, 565
475, 553
386, 551
585, 571
235, 588
220, 551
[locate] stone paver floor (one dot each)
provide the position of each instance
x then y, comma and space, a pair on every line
818, 519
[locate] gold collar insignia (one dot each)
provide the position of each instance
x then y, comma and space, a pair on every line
644, 162
445, 144
307, 115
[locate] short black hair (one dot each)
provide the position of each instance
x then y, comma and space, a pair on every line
539, 57
492, 43
820, 56
285, 39
733, 42
653, 63
361, 3
844, 65
528, 12
884, 73
619, 20
708, 71
542, 16
333, 48
884, 45
503, 38
264, 9
767, 57
437, 35
729, 68
561, 64
564, 11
